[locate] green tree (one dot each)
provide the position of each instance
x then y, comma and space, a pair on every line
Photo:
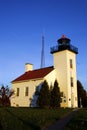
5, 94
82, 95
55, 97
43, 100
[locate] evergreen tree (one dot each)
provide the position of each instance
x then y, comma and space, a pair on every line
82, 95
44, 97
55, 97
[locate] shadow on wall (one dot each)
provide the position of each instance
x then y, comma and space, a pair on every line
33, 100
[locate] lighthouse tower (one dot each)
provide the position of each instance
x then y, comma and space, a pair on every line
65, 68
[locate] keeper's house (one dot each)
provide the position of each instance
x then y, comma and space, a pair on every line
28, 84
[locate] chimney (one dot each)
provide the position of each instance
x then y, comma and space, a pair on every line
28, 67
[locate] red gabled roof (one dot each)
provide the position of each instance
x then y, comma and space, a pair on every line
34, 74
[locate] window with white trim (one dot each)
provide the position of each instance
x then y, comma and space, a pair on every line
71, 63
71, 81
17, 92
26, 91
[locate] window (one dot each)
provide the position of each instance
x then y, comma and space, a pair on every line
71, 64
26, 91
71, 81
17, 91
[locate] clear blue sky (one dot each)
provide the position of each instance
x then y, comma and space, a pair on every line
21, 25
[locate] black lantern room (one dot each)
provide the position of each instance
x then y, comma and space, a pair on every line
64, 44
63, 40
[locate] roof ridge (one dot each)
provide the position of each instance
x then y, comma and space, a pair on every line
42, 68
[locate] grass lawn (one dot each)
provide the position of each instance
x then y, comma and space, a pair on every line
79, 121
29, 118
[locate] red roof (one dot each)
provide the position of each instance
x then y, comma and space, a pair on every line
34, 74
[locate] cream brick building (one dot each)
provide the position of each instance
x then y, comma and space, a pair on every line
27, 85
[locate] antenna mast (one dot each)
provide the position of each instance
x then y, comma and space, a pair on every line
42, 53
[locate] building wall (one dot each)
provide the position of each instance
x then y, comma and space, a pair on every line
29, 100
23, 100
64, 74
50, 78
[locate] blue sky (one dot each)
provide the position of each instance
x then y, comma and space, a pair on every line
22, 23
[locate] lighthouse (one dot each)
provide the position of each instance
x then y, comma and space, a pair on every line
64, 55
